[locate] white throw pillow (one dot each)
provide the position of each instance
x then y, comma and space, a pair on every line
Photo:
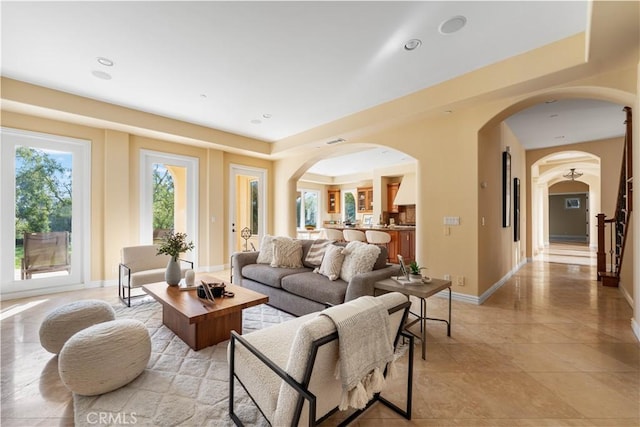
266, 250
287, 253
332, 262
359, 257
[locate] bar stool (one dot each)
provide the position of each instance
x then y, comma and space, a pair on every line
378, 237
354, 235
333, 234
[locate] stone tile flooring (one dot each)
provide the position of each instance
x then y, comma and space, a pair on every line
552, 347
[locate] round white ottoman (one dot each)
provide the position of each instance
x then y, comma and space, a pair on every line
104, 357
61, 323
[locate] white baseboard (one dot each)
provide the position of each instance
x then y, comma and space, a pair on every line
213, 268
40, 292
478, 300
635, 327
486, 294
626, 295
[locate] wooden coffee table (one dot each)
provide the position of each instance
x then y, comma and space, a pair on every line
202, 323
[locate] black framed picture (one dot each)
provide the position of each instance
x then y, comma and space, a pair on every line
572, 203
516, 209
506, 189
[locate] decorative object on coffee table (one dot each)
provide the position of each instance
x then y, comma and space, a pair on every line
189, 277
173, 244
198, 322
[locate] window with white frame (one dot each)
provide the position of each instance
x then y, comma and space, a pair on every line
307, 208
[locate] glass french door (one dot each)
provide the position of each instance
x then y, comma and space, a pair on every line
45, 219
169, 188
247, 207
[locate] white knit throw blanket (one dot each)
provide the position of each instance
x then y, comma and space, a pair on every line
365, 347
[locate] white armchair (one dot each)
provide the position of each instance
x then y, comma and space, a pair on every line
140, 265
288, 369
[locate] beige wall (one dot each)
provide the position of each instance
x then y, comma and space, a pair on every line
448, 148
498, 253
115, 172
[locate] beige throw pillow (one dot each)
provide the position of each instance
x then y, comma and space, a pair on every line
331, 263
287, 253
316, 252
359, 257
266, 250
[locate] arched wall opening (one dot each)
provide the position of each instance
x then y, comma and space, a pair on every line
499, 255
376, 176
546, 173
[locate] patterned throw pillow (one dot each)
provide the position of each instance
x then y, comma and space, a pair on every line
316, 252
331, 263
287, 253
359, 257
266, 250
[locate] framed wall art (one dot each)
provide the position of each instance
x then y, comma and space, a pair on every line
506, 189
516, 209
572, 203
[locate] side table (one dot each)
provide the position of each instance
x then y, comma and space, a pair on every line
421, 291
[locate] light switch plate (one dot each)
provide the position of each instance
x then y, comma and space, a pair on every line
451, 220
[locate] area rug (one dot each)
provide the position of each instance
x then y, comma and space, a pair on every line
179, 387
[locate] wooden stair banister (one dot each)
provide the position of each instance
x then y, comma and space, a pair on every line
618, 223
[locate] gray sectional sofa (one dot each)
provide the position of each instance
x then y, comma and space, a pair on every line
300, 291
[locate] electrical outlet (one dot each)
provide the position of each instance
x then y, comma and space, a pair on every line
447, 277
460, 281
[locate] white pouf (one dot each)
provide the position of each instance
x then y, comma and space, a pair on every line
64, 321
104, 357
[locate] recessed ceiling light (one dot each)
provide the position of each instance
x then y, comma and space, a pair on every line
412, 44
101, 75
266, 116
452, 25
105, 61
256, 121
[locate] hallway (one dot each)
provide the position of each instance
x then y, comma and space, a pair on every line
568, 253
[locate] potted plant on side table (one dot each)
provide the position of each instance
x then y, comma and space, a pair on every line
416, 275
173, 244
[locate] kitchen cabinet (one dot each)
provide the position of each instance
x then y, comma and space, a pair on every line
403, 243
333, 201
392, 190
365, 199
407, 245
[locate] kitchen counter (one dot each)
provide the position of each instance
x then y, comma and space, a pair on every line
402, 239
372, 227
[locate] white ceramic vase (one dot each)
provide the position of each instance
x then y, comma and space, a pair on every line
173, 274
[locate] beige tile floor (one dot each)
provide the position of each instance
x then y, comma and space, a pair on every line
551, 347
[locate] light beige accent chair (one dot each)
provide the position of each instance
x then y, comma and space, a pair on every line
140, 265
333, 234
354, 235
288, 369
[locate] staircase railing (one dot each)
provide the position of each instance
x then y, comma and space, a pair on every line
609, 264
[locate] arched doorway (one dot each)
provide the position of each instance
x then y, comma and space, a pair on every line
497, 136
556, 201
